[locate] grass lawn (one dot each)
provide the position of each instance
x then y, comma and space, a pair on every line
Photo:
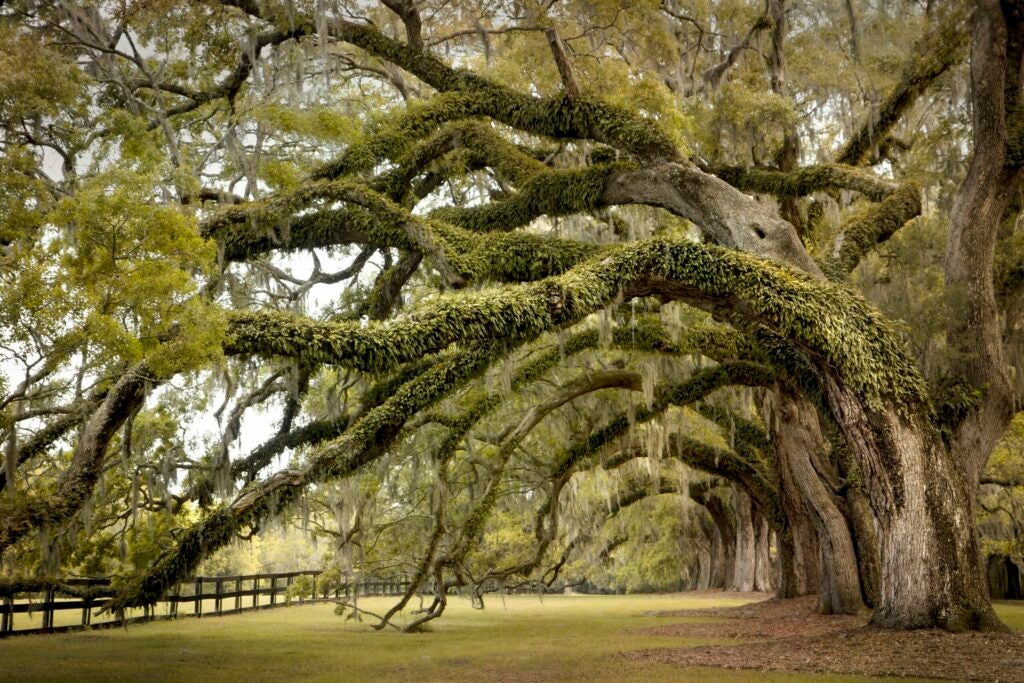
522, 639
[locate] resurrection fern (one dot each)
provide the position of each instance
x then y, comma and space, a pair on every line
838, 332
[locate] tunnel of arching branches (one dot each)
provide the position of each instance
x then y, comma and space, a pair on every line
614, 295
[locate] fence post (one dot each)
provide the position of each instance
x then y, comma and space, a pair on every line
238, 594
173, 608
256, 591
49, 597
7, 622
217, 601
273, 590
199, 600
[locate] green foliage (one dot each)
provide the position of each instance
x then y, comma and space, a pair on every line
491, 173
302, 587
659, 550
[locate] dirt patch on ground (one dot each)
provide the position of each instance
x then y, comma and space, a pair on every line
790, 636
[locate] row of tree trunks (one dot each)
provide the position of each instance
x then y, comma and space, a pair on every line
899, 536
836, 541
737, 555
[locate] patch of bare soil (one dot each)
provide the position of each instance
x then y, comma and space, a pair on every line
790, 636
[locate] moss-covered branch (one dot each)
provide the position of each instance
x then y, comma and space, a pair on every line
636, 490
841, 335
556, 192
75, 485
15, 587
738, 465
43, 439
481, 144
252, 230
696, 387
870, 227
897, 203
366, 209
556, 117
943, 45
805, 180
588, 383
836, 331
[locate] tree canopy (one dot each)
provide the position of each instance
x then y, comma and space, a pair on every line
517, 292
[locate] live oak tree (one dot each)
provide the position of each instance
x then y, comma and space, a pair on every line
167, 165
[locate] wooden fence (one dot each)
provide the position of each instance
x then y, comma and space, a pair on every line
229, 595
192, 598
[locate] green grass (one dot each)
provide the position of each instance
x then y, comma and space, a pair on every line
520, 639
1012, 613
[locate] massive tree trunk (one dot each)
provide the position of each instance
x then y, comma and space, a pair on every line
704, 569
928, 542
789, 153
762, 552
799, 572
705, 552
720, 561
799, 435
993, 179
745, 556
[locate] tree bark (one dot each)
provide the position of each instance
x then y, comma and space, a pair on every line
928, 542
76, 483
799, 572
724, 545
719, 560
865, 541
763, 561
705, 552
704, 564
789, 154
745, 556
800, 434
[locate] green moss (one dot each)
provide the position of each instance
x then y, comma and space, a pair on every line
805, 180
751, 460
559, 192
839, 332
481, 146
16, 586
697, 387
369, 218
556, 117
870, 227
955, 398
